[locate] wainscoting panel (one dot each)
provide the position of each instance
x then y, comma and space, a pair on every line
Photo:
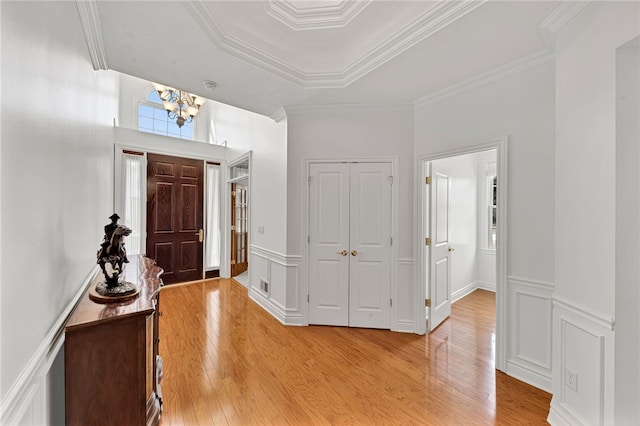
529, 331
37, 396
583, 358
403, 313
280, 273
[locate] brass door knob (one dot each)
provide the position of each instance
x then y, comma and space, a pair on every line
451, 249
343, 252
354, 253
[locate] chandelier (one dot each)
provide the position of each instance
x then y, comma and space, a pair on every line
180, 105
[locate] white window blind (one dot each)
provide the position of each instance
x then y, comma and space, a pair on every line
133, 166
212, 254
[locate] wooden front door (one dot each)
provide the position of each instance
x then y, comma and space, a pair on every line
174, 216
239, 230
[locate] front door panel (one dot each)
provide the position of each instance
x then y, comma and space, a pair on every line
174, 216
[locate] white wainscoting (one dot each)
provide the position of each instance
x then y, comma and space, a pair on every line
31, 398
529, 313
282, 273
584, 345
402, 317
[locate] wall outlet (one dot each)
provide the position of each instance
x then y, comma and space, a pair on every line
571, 379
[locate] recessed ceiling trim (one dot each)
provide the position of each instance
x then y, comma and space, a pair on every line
88, 10
346, 107
514, 67
557, 19
421, 28
315, 18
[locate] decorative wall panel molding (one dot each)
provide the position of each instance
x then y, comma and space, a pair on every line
529, 351
314, 17
27, 401
583, 360
282, 274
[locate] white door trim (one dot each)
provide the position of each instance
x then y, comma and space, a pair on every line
306, 162
501, 146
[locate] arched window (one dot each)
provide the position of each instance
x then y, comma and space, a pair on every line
152, 118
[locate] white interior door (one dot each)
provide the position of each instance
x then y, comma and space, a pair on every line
370, 245
440, 254
350, 244
329, 244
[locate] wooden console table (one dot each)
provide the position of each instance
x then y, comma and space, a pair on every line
111, 355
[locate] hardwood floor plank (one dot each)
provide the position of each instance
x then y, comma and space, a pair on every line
228, 362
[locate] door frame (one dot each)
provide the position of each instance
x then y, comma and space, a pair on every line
422, 217
225, 264
306, 163
118, 151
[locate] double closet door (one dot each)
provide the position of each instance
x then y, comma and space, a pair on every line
350, 244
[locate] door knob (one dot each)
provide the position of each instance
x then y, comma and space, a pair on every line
343, 252
451, 249
354, 252
200, 235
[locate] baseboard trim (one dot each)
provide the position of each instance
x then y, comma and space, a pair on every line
404, 326
561, 416
470, 288
527, 375
283, 316
24, 390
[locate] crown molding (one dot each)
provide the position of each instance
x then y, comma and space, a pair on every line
436, 18
514, 67
346, 107
315, 18
90, 20
557, 19
279, 115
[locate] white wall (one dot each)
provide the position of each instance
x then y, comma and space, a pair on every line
520, 106
463, 210
585, 209
354, 132
57, 137
627, 358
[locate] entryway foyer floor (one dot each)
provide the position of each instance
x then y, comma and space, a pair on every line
227, 361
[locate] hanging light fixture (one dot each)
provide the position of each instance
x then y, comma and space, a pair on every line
180, 105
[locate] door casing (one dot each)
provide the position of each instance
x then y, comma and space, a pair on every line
422, 227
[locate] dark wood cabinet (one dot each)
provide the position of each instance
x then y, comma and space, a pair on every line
111, 355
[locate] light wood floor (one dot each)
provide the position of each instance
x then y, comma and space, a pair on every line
226, 361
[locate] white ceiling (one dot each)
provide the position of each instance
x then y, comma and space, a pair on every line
266, 54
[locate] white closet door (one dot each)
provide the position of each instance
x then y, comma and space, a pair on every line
370, 248
329, 244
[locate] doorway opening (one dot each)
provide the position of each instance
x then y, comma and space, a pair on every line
239, 208
463, 224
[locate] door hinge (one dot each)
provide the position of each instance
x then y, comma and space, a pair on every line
427, 180
391, 180
308, 239
233, 262
391, 241
391, 303
427, 303
307, 298
309, 180
233, 193
427, 241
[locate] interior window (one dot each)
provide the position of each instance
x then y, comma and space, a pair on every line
152, 118
493, 198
